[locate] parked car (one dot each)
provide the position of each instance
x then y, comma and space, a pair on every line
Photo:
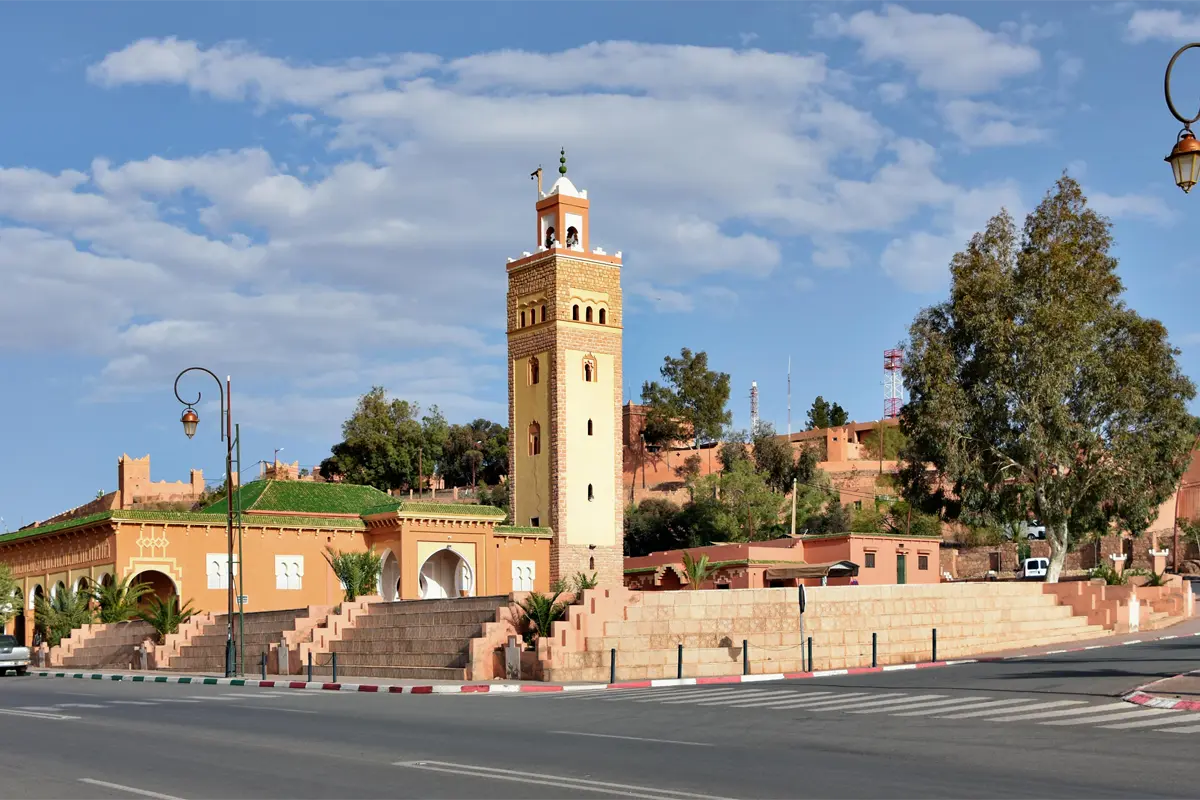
1035, 567
13, 656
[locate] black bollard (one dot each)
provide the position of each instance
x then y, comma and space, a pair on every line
874, 649
310, 666
745, 657
612, 666
679, 664
264, 665
934, 645
810, 662
335, 667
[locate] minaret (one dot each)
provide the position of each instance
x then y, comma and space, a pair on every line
564, 380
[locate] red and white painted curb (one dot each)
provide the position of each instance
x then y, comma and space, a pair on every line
1138, 697
537, 688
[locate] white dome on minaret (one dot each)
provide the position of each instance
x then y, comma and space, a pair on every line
564, 187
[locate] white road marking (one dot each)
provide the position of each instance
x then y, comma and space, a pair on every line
578, 784
44, 709
1067, 712
941, 707
819, 703
1119, 715
1185, 729
897, 705
212, 697
131, 703
35, 714
129, 789
704, 697
632, 738
1150, 723
871, 701
745, 700
993, 707
796, 699
79, 705
654, 695
176, 700
275, 708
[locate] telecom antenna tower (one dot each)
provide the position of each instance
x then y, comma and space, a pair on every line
753, 406
893, 383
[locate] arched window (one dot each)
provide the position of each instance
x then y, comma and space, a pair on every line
589, 427
572, 237
589, 369
522, 319
535, 439
591, 494
534, 371
543, 312
602, 316
587, 314
575, 313
592, 563
549, 238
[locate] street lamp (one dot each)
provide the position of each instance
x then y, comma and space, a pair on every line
1185, 156
474, 463
190, 420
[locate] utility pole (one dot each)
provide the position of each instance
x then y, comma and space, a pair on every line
420, 470
789, 438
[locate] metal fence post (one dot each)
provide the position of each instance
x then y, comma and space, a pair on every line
612, 666
934, 644
874, 649
679, 665
335, 667
264, 665
745, 657
310, 666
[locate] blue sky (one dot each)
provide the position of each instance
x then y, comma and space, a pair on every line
315, 198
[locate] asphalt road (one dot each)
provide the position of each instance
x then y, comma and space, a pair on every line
1046, 727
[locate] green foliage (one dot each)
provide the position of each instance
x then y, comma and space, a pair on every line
495, 497
55, 618
652, 526
691, 404
1024, 551
581, 582
119, 601
775, 460
746, 508
480, 443
733, 450
822, 414
697, 570
10, 606
1034, 389
358, 571
1109, 575
539, 612
893, 441
165, 616
867, 519
835, 519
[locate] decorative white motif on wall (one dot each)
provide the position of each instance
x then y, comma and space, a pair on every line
523, 573
289, 572
217, 567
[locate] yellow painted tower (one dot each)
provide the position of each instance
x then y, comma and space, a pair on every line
564, 385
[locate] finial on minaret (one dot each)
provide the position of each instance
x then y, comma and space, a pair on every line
537, 173
562, 161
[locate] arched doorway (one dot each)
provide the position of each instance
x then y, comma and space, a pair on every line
161, 586
107, 580
83, 585
389, 577
59, 588
446, 574
37, 594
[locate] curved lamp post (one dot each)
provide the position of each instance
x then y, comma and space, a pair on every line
1185, 157
191, 420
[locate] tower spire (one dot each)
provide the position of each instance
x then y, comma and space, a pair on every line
562, 161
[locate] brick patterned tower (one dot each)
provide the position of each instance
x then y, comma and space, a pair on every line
564, 388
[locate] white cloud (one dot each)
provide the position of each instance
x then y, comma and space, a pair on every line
1132, 206
892, 93
920, 261
946, 52
983, 124
323, 278
1170, 25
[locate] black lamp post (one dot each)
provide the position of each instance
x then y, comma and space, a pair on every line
190, 420
1185, 156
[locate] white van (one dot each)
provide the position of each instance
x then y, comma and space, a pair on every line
1036, 567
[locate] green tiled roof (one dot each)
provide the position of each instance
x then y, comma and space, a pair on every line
194, 517
307, 496
421, 508
886, 535
524, 530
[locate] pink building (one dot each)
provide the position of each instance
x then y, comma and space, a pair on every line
880, 559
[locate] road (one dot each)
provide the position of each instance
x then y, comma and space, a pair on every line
1052, 726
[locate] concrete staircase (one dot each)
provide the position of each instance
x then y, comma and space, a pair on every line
420, 639
205, 651
110, 645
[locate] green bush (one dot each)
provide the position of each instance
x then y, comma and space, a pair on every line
55, 619
358, 572
165, 616
539, 613
118, 602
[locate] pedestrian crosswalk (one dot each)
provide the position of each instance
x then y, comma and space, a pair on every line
257, 701
1107, 714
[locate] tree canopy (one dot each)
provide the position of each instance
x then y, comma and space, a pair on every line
691, 404
482, 443
1036, 390
824, 414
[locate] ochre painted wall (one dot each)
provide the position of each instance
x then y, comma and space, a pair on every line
531, 404
592, 459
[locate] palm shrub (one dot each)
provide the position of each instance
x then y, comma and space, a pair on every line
57, 617
358, 571
119, 601
165, 616
697, 570
1109, 575
582, 582
539, 612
